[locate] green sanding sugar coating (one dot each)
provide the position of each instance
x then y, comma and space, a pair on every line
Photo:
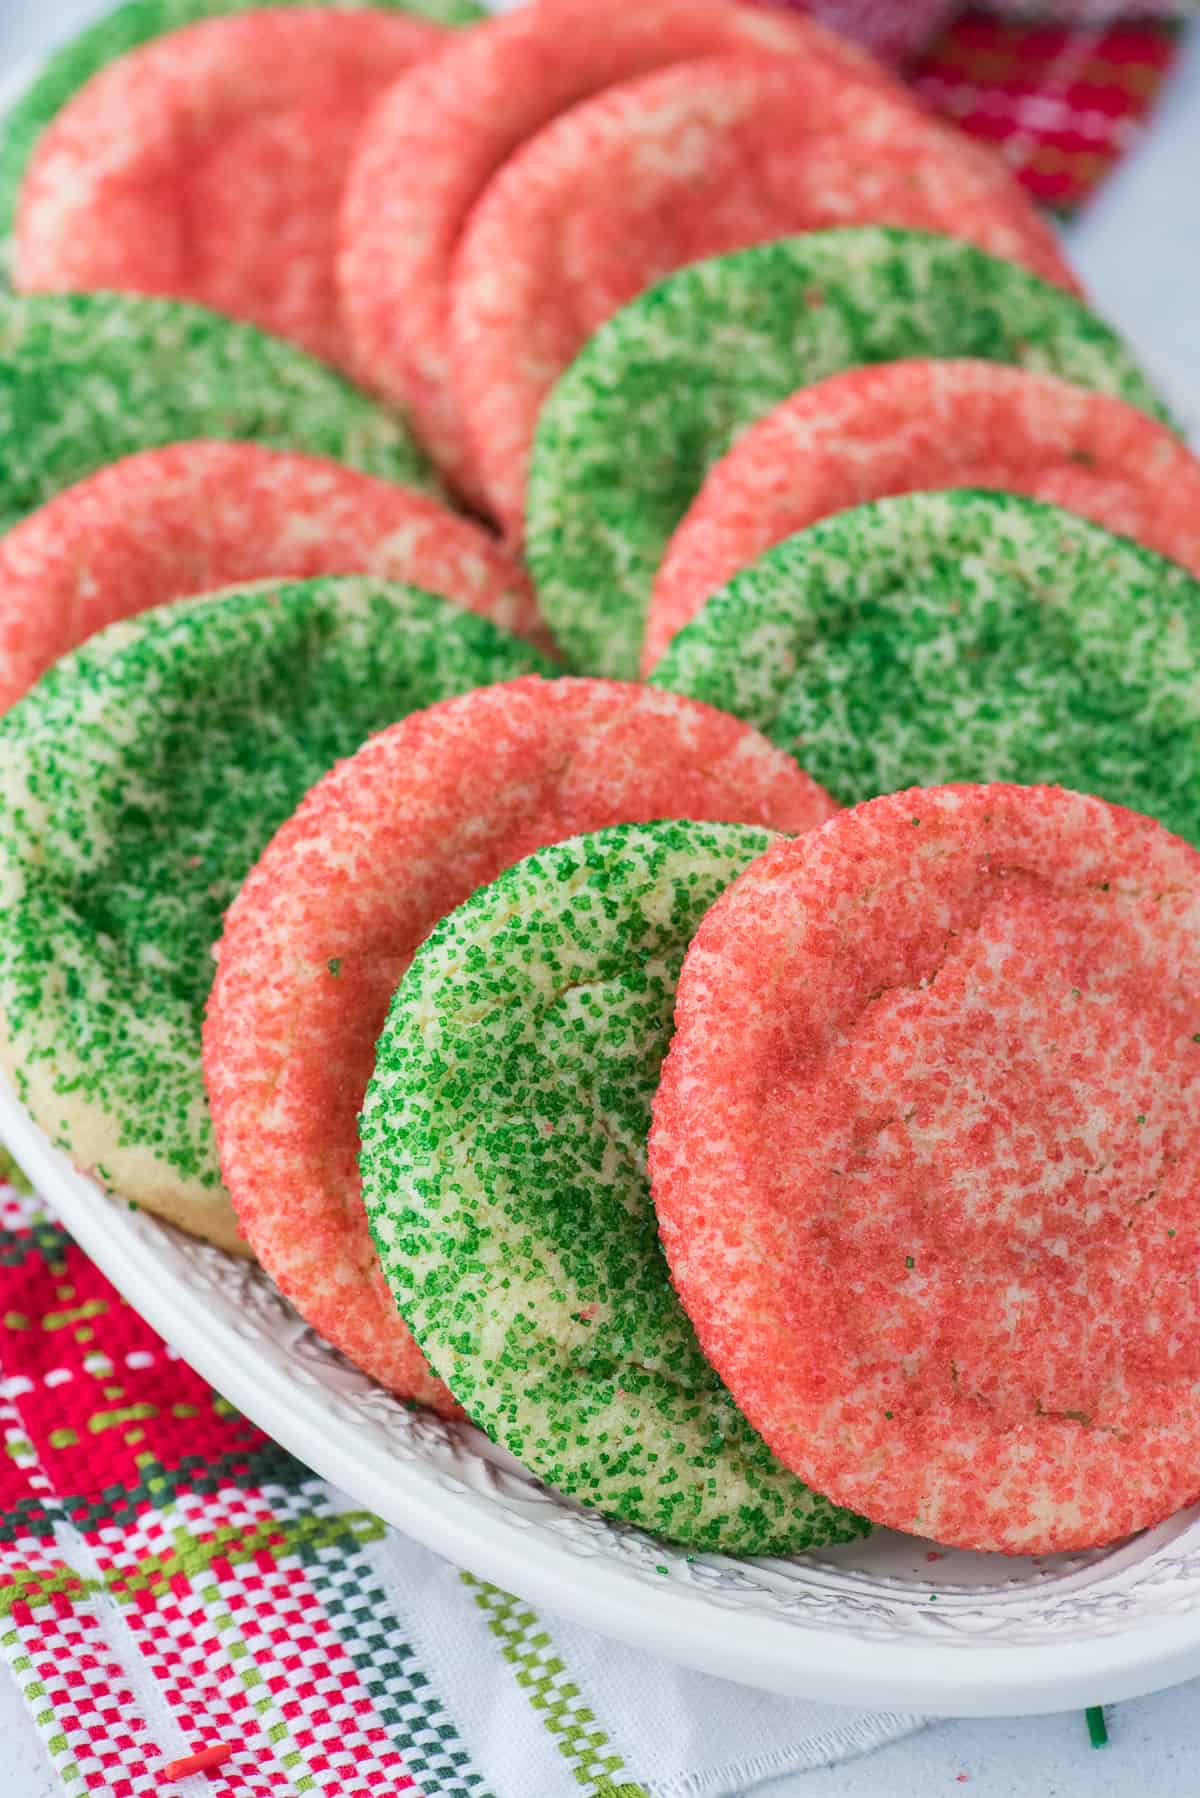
124, 29
140, 780
504, 1171
87, 378
962, 636
663, 388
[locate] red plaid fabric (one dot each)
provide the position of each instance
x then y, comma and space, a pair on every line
145, 1524
1060, 88
1060, 103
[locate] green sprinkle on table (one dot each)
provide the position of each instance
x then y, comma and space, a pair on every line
1097, 1728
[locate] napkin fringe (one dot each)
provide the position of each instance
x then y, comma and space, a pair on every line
858, 1735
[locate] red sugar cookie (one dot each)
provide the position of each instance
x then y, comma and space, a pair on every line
691, 161
904, 427
434, 142
208, 165
325, 925
193, 517
926, 1155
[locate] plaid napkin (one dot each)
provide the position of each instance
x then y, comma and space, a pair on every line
1060, 87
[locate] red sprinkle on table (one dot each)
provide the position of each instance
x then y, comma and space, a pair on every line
203, 1761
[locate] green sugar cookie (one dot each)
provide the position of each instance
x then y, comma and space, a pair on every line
87, 378
504, 1172
665, 386
962, 636
139, 781
124, 29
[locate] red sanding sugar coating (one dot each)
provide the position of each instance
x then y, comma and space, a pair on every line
435, 141
691, 161
208, 165
194, 517
326, 924
926, 1155
907, 427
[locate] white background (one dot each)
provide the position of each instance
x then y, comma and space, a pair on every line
1138, 250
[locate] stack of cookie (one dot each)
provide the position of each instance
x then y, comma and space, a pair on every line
595, 569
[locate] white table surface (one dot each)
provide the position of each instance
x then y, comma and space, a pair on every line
1138, 250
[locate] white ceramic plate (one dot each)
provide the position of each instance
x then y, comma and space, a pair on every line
875, 1623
